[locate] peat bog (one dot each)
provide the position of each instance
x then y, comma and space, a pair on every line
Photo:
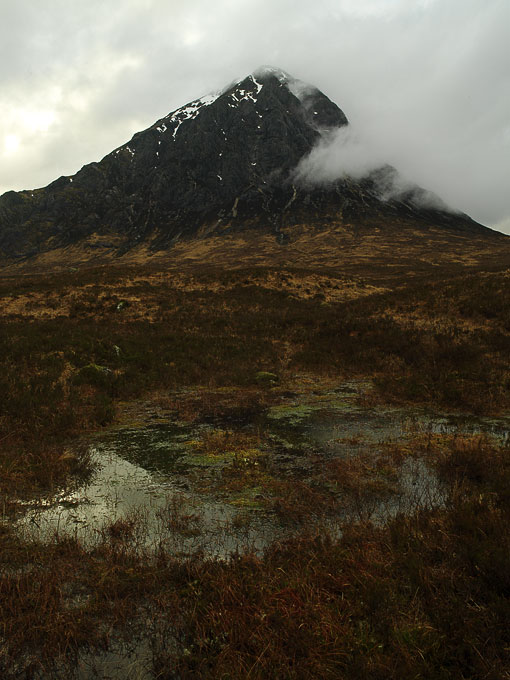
267, 472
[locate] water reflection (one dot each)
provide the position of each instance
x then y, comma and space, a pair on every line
152, 490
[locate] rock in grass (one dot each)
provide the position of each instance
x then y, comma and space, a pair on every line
93, 374
266, 379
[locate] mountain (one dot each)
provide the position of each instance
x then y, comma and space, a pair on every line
223, 162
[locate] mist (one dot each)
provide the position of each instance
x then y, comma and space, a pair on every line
339, 153
344, 154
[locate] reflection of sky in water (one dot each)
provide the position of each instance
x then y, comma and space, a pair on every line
147, 471
121, 489
322, 422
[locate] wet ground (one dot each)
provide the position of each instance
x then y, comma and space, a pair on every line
222, 485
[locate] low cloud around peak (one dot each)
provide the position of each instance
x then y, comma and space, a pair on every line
339, 153
343, 154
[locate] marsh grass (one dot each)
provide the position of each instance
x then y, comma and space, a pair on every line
401, 600
424, 594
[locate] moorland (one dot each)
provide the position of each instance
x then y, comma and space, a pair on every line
214, 336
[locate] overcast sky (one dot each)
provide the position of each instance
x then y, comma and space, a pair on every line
425, 83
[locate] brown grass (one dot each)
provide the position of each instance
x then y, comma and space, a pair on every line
425, 596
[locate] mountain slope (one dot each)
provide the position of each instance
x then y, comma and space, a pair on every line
222, 162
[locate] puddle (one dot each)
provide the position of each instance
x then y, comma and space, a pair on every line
131, 660
201, 488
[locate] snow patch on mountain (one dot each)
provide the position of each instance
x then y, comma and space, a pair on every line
298, 88
188, 112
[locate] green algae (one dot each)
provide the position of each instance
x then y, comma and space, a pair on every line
252, 498
293, 413
208, 460
306, 406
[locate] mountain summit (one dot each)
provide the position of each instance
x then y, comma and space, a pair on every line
222, 162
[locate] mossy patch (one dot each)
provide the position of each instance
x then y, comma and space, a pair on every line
293, 413
94, 374
250, 498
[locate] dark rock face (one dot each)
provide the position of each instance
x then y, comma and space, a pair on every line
223, 161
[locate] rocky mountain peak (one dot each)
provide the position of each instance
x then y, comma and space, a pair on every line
323, 114
268, 92
223, 161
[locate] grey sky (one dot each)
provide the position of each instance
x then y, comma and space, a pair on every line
424, 83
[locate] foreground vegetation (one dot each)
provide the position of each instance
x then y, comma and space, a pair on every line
424, 596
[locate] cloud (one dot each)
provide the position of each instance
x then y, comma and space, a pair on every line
338, 153
342, 153
502, 225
